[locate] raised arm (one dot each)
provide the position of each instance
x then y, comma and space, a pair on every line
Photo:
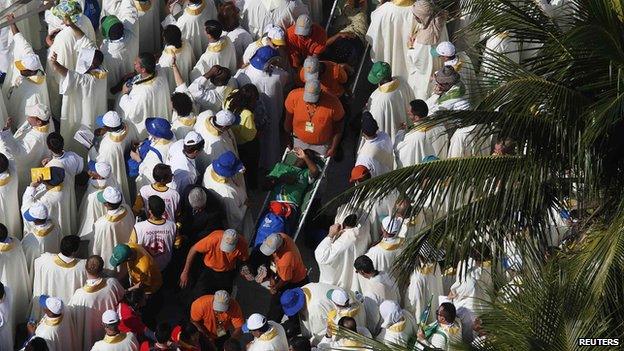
62, 70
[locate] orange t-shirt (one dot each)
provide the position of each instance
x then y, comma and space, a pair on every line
322, 116
301, 47
202, 312
218, 260
287, 259
332, 79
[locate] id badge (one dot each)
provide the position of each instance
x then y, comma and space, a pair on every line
220, 332
309, 127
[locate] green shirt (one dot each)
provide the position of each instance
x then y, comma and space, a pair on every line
292, 193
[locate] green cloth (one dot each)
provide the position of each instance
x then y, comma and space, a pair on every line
107, 23
380, 70
291, 193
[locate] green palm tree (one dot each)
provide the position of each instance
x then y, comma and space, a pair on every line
563, 105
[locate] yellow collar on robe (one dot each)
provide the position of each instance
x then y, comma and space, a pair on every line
4, 247
390, 246
53, 321
217, 46
403, 3
43, 128
95, 288
217, 178
397, 327
143, 6
161, 142
172, 50
59, 262
160, 188
116, 217
187, 121
37, 79
118, 137
115, 338
4, 181
98, 73
211, 128
269, 335
427, 269
195, 10
390, 86
43, 232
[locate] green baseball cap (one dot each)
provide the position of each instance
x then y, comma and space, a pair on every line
121, 253
380, 70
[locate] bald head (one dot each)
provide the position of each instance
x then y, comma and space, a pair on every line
348, 323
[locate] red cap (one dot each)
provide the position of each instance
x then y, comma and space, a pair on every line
280, 208
359, 173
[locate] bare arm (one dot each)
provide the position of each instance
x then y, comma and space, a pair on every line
176, 73
11, 18
187, 267
62, 70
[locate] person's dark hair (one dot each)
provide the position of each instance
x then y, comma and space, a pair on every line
148, 62
228, 16
187, 331
112, 207
348, 323
36, 344
55, 142
350, 221
232, 345
116, 31
172, 36
163, 332
1, 290
95, 265
162, 173
4, 232
98, 58
299, 343
134, 298
448, 311
419, 108
182, 104
195, 2
70, 244
192, 148
156, 205
364, 264
4, 163
221, 77
244, 98
213, 28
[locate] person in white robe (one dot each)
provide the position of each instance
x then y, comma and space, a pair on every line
114, 145
229, 16
56, 326
149, 25
120, 44
473, 282
89, 302
393, 19
59, 274
461, 63
217, 134
210, 90
40, 235
175, 47
153, 150
63, 42
389, 102
13, 274
388, 249
6, 324
9, 201
145, 95
447, 329
449, 92
111, 229
377, 286
72, 164
3, 112
28, 145
337, 251
425, 286
91, 209
332, 341
498, 44
267, 335
258, 14
182, 156
183, 117
220, 51
191, 23
271, 82
345, 304
25, 78
273, 36
413, 144
375, 145
114, 339
398, 326
430, 29
309, 307
224, 178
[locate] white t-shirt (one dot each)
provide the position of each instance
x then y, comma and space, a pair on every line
170, 196
157, 238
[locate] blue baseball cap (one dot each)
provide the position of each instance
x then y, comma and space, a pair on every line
159, 127
227, 165
292, 301
262, 56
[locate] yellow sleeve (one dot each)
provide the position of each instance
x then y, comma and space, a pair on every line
138, 206
133, 237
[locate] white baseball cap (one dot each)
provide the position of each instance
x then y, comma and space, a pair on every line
193, 138
303, 26
391, 225
446, 48
110, 317
38, 211
103, 169
110, 195
54, 304
254, 322
35, 108
221, 301
28, 62
338, 297
229, 240
271, 244
225, 118
110, 119
311, 68
277, 36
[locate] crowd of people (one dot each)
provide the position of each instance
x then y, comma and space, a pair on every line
127, 161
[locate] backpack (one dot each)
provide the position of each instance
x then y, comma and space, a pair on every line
270, 223
132, 166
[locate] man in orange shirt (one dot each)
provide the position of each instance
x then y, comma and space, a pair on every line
222, 250
290, 271
304, 39
314, 118
331, 75
218, 317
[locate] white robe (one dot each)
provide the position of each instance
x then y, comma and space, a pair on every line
422, 65
501, 44
379, 150
73, 164
87, 306
191, 24
355, 310
257, 14
108, 231
183, 168
112, 150
116, 343
472, 284
185, 59
57, 332
335, 259
39, 239
180, 126
271, 88
13, 274
91, 208
146, 168
149, 26
317, 306
273, 340
207, 96
376, 290
6, 321
400, 332
3, 111
55, 199
221, 52
216, 142
9, 202
389, 103
146, 99
425, 283
385, 253
396, 22
412, 147
464, 143
55, 277
241, 39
